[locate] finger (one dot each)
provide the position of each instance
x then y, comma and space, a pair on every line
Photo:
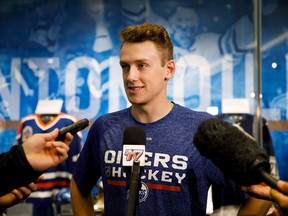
26, 191
283, 186
32, 186
68, 138
62, 154
279, 197
40, 178
61, 145
18, 194
258, 191
22, 193
51, 135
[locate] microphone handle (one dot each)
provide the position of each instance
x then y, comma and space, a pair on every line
268, 178
134, 189
72, 128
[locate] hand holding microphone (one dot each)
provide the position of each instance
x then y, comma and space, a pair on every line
44, 151
238, 155
279, 195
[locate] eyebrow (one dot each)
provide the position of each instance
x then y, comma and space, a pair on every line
137, 61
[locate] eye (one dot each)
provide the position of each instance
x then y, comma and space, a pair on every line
142, 66
125, 67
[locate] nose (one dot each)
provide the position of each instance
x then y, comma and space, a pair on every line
132, 74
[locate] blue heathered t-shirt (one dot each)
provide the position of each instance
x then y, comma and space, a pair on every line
176, 178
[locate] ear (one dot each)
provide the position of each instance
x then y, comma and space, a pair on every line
170, 70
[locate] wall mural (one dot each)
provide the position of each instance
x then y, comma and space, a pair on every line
69, 49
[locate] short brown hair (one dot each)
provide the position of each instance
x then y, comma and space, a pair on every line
150, 32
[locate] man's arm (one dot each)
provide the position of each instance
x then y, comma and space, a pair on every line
81, 205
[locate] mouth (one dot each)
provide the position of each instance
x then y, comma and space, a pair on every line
134, 89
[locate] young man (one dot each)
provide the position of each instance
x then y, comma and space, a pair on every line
176, 178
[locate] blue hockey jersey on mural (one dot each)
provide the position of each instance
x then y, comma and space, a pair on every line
57, 177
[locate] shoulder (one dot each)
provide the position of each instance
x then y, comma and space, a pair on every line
112, 118
185, 119
109, 120
188, 115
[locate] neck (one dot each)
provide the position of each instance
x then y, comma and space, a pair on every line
150, 113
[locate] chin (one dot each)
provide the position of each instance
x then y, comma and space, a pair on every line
135, 102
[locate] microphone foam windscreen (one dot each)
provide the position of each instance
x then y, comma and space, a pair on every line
234, 151
134, 135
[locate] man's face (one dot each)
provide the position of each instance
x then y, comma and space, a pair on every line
143, 75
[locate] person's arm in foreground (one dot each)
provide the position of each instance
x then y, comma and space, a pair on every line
81, 205
24, 164
16, 196
266, 192
254, 206
281, 198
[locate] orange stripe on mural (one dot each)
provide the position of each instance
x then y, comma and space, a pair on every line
53, 184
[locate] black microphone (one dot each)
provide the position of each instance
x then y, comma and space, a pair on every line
72, 128
134, 142
235, 152
133, 158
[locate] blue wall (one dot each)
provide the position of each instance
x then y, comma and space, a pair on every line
69, 49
